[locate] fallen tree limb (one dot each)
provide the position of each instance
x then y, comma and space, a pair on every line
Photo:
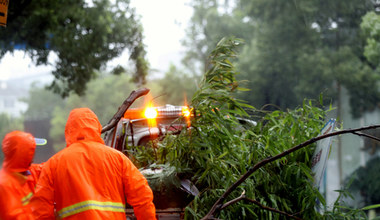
215, 209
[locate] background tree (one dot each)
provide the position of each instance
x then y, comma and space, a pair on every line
294, 50
176, 87
270, 61
211, 21
365, 181
41, 103
84, 35
317, 48
104, 96
371, 31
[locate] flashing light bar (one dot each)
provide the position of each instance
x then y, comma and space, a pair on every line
156, 112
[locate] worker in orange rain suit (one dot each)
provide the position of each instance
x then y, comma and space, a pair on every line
18, 148
89, 180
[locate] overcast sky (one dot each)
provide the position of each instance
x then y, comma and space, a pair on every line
164, 24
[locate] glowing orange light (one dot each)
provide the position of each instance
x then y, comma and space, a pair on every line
186, 111
150, 113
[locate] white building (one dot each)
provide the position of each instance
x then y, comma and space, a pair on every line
13, 91
10, 99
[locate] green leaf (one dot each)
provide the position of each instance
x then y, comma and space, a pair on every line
371, 207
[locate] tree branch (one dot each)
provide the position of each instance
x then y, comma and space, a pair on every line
218, 204
243, 197
367, 135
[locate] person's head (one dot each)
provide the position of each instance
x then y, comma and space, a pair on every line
82, 124
18, 148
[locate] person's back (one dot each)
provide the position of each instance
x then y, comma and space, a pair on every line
88, 180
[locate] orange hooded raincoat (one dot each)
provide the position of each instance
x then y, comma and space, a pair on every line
18, 148
88, 180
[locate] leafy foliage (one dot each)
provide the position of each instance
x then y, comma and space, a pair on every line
84, 35
218, 150
372, 34
341, 210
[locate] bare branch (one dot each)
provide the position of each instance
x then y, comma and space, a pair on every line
243, 197
367, 135
218, 204
272, 209
231, 202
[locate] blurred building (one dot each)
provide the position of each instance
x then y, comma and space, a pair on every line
10, 99
14, 90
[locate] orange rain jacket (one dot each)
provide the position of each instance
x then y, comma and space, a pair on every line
35, 171
18, 148
89, 180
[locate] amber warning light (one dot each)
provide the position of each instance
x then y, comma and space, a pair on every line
186, 111
150, 113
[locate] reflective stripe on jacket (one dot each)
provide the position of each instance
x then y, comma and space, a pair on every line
88, 180
13, 199
26, 199
91, 204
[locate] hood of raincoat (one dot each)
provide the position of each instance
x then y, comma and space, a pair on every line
82, 125
18, 148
